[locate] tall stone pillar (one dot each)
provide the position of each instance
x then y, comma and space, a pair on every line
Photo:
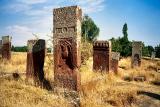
35, 61
136, 54
67, 39
115, 61
102, 56
6, 47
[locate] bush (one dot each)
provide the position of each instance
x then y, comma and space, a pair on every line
86, 51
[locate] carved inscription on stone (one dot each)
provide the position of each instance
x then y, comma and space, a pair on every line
101, 56
136, 53
6, 47
67, 36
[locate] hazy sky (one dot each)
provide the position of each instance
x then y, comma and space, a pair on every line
23, 18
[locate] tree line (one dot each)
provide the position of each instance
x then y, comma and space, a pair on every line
90, 32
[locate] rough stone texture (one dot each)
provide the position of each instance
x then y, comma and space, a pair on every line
136, 54
101, 56
114, 61
153, 54
0, 47
6, 47
35, 61
67, 38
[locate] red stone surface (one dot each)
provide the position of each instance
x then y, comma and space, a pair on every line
101, 56
114, 65
6, 51
66, 73
35, 60
67, 40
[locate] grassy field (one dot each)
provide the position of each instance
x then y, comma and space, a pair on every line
98, 90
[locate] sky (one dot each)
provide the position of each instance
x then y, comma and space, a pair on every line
22, 19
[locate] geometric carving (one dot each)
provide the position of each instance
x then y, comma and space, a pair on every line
114, 61
6, 47
102, 56
136, 54
67, 39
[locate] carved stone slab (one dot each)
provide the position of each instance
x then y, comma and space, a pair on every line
6, 47
114, 61
136, 54
67, 39
35, 61
101, 56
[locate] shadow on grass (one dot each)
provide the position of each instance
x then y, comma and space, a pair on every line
150, 94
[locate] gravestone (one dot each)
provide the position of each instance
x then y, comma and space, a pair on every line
67, 39
6, 47
102, 56
153, 54
0, 47
114, 61
35, 61
136, 54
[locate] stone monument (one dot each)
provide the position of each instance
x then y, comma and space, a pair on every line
136, 54
102, 56
6, 47
67, 40
35, 61
114, 61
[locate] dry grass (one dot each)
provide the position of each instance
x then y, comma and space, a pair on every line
98, 90
15, 94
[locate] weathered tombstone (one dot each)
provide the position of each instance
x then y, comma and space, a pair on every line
67, 39
35, 61
102, 56
153, 54
6, 47
0, 47
136, 54
114, 61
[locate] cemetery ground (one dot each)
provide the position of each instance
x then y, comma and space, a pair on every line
139, 87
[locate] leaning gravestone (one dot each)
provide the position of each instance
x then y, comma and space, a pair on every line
0, 47
67, 39
114, 61
136, 54
35, 61
6, 47
101, 56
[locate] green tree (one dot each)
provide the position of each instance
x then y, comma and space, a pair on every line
125, 34
19, 49
125, 43
157, 50
150, 50
145, 51
90, 31
116, 46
